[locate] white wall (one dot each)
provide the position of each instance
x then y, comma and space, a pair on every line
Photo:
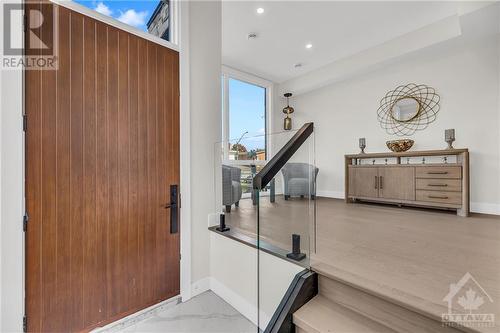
205, 104
11, 194
233, 268
466, 76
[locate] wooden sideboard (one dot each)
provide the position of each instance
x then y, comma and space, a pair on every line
433, 185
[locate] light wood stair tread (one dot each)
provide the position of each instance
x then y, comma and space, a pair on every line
321, 315
385, 292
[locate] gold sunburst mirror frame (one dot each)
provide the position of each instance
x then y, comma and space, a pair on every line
408, 108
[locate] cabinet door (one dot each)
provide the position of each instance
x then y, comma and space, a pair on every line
397, 183
363, 182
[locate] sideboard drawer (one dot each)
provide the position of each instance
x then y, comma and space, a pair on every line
453, 185
453, 172
454, 198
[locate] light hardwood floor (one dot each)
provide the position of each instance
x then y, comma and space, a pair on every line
409, 256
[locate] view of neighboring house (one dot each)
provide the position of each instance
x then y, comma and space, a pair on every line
250, 166
159, 22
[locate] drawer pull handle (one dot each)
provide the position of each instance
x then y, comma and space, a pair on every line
437, 197
437, 172
376, 182
438, 185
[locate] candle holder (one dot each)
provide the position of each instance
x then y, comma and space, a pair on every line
449, 137
362, 145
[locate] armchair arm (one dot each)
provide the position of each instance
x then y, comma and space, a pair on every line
226, 185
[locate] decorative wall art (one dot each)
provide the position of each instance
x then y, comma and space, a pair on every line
408, 108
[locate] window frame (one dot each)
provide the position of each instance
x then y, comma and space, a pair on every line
231, 73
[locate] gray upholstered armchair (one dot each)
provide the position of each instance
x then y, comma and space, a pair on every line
299, 179
231, 186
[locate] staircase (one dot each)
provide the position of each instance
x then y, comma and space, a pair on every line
340, 307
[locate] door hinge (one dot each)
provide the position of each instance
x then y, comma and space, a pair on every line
25, 221
180, 256
25, 122
25, 324
25, 22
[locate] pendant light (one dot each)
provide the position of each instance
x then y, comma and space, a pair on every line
287, 123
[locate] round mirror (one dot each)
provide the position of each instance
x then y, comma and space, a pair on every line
405, 109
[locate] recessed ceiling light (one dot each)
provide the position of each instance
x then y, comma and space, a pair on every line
260, 10
308, 46
251, 35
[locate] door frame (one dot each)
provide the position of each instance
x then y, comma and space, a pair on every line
12, 252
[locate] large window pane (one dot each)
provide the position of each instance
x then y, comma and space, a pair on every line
247, 118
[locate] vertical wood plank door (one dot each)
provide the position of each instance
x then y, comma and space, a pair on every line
102, 150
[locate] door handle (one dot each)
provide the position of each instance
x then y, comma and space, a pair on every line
376, 182
174, 209
380, 183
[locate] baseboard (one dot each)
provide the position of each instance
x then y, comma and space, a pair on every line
475, 207
331, 194
247, 309
485, 208
200, 286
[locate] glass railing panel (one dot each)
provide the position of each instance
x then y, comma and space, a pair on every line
286, 207
237, 162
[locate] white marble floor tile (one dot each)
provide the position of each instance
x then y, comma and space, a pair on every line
204, 313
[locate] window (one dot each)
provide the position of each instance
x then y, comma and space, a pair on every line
246, 115
153, 17
247, 118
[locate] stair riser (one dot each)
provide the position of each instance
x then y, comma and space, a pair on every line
384, 312
299, 330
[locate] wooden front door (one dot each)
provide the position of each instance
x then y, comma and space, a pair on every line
102, 151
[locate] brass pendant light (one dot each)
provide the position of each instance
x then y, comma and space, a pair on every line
287, 122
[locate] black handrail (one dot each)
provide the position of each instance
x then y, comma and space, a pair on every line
279, 160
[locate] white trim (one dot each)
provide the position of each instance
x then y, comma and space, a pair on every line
331, 194
174, 15
200, 286
115, 23
241, 305
11, 192
225, 115
228, 72
185, 149
243, 76
485, 208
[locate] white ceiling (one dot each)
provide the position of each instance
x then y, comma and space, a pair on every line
336, 29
